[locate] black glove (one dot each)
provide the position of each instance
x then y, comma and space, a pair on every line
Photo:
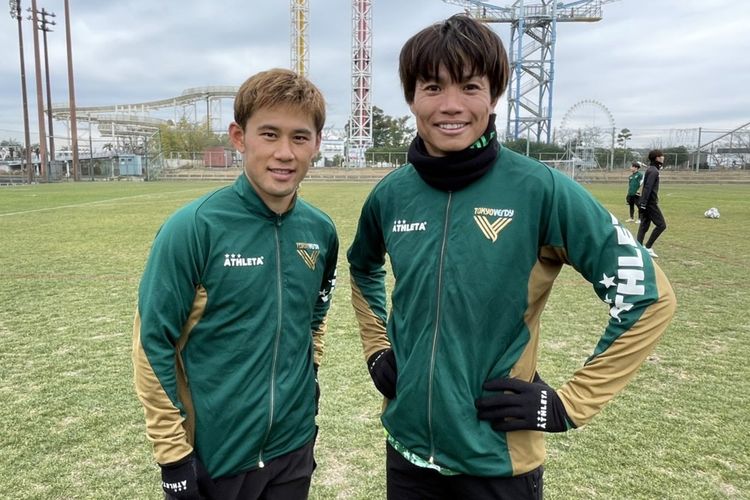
382, 367
185, 479
642, 206
317, 389
523, 405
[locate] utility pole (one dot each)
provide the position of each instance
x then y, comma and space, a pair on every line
91, 152
39, 103
44, 26
15, 13
71, 96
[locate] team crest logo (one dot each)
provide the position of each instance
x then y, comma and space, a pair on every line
309, 253
492, 220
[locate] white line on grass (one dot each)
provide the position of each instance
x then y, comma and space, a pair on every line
88, 203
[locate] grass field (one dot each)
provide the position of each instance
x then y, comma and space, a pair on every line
71, 428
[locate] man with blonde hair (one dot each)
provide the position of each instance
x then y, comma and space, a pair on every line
232, 308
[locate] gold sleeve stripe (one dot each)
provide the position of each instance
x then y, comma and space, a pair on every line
371, 329
595, 384
163, 420
171, 434
526, 448
318, 341
183, 390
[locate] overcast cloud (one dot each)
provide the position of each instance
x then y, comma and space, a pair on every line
656, 65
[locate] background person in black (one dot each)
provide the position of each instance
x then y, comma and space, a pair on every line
649, 202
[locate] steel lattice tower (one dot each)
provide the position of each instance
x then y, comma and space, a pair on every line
360, 122
532, 56
300, 52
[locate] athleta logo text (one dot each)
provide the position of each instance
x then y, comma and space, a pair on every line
237, 260
491, 228
630, 275
401, 226
541, 414
177, 487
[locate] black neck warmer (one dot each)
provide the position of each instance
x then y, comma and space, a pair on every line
457, 170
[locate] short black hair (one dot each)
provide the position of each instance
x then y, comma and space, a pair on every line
654, 154
464, 46
636, 164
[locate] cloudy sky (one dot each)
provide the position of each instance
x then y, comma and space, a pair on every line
656, 65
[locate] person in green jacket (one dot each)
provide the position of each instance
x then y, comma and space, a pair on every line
635, 180
232, 308
475, 235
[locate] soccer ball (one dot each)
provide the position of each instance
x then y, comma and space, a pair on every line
712, 213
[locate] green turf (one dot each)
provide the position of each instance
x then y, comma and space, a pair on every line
71, 427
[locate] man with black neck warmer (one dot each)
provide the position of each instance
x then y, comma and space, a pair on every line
648, 204
476, 235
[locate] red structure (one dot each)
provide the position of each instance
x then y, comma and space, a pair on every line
360, 124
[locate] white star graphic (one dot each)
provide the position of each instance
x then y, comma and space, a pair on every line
608, 281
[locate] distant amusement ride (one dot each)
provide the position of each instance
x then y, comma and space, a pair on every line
531, 49
586, 126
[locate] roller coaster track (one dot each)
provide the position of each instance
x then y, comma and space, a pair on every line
134, 119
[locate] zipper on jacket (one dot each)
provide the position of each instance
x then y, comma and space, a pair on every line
279, 288
438, 300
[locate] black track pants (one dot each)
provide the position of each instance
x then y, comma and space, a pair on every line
283, 478
632, 200
651, 214
406, 481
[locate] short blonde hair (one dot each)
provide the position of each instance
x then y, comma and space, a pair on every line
279, 87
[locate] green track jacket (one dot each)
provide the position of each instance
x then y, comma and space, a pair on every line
635, 180
473, 270
231, 311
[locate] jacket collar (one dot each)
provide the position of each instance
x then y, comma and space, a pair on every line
254, 203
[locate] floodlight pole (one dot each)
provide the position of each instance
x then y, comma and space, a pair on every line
39, 103
44, 26
91, 152
15, 13
71, 97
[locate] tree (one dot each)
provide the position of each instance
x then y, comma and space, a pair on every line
623, 137
188, 137
622, 140
9, 142
676, 156
390, 133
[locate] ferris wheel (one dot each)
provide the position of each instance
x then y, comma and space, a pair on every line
587, 126
587, 121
